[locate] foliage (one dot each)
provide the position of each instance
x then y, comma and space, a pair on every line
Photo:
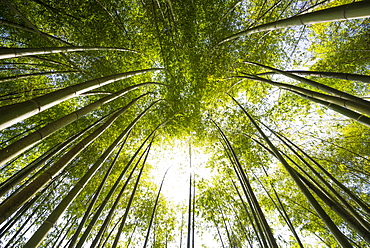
198, 78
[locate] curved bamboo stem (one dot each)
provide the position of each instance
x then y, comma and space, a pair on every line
17, 112
342, 240
326, 74
344, 12
42, 231
7, 53
32, 139
317, 85
11, 204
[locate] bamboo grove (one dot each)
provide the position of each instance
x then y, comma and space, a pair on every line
275, 93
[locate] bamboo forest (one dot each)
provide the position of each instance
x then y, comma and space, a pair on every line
185, 123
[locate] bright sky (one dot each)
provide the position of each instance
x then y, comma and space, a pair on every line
175, 154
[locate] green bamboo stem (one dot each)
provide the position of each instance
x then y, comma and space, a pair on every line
281, 211
32, 139
7, 53
345, 215
189, 203
101, 186
358, 201
111, 191
353, 10
225, 225
57, 212
363, 222
65, 235
326, 74
116, 240
20, 27
68, 224
108, 217
344, 111
11, 204
257, 230
27, 221
24, 172
21, 212
317, 85
154, 209
20, 134
251, 194
41, 204
321, 192
132, 234
24, 76
103, 244
241, 226
105, 201
49, 61
218, 232
31, 25
17, 112
331, 99
342, 240
193, 215
250, 218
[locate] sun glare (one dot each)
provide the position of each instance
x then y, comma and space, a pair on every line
176, 156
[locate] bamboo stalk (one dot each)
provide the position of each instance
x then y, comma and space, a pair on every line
24, 172
344, 111
23, 76
154, 209
32, 139
18, 26
353, 10
7, 53
363, 222
319, 86
251, 194
358, 201
111, 191
115, 243
11, 204
14, 113
339, 236
101, 185
326, 74
57, 212
320, 96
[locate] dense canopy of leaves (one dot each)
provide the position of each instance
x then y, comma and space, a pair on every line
196, 77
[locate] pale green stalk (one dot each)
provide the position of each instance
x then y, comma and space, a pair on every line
344, 102
7, 53
319, 86
23, 76
354, 10
17, 112
54, 216
11, 204
16, 148
326, 74
115, 243
339, 236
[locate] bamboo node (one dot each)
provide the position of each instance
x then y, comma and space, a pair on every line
37, 103
49, 222
344, 12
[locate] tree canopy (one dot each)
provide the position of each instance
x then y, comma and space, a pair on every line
254, 113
